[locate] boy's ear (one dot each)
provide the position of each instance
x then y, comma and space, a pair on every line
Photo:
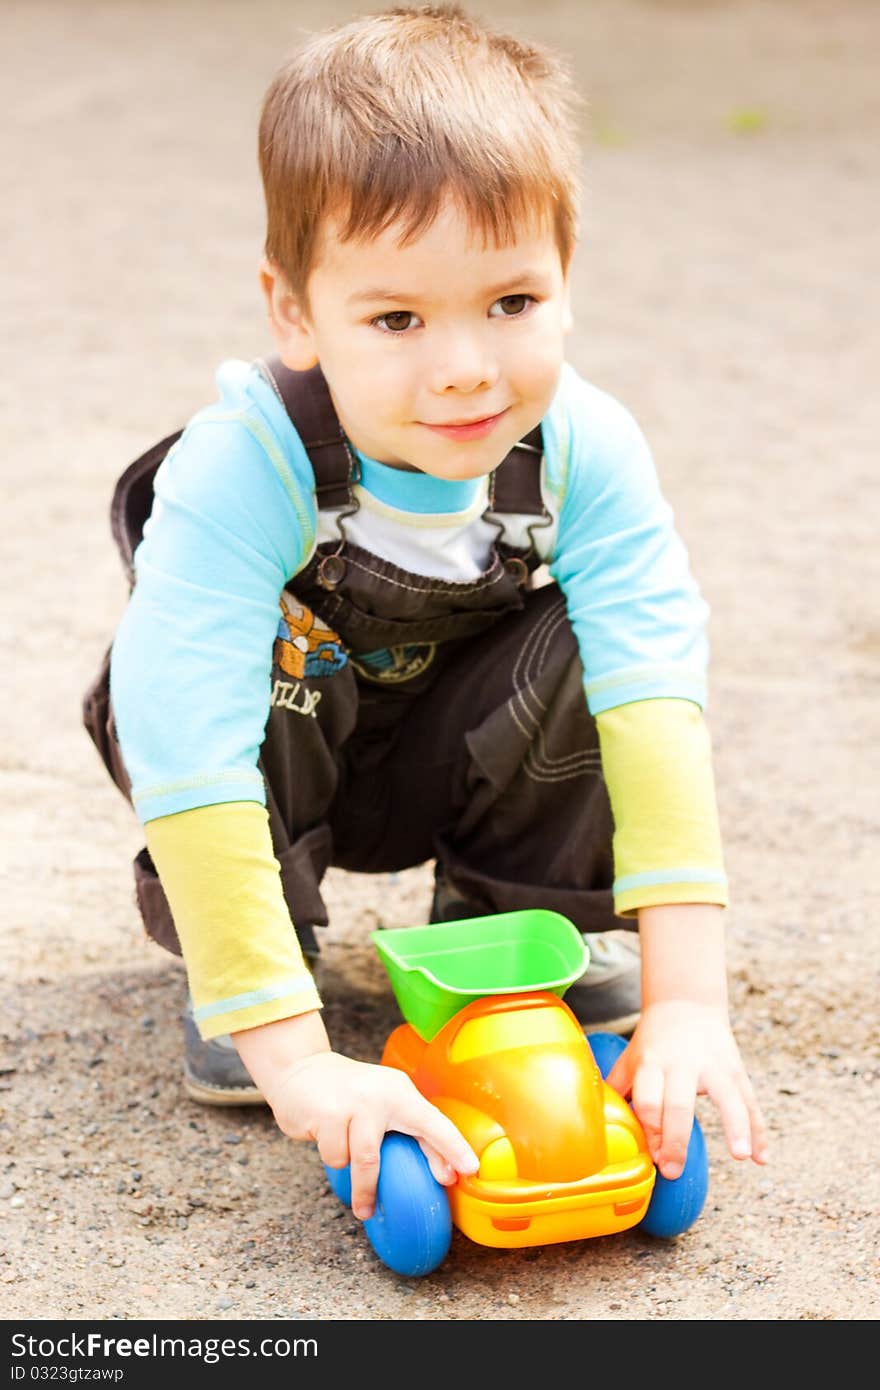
567, 316
287, 319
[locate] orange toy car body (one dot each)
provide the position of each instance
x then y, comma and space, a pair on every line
561, 1154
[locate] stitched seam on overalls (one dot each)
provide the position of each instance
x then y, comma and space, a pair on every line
538, 760
542, 634
534, 654
448, 589
538, 765
589, 763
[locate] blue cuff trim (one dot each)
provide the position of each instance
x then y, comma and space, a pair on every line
189, 793
654, 876
645, 683
300, 984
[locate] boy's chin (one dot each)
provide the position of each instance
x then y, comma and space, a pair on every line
461, 472
452, 471
461, 465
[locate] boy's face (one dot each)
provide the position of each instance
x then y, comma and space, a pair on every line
439, 354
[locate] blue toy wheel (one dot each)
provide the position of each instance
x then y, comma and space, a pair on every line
411, 1228
606, 1048
675, 1202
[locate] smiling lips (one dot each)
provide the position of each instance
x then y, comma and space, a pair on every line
467, 429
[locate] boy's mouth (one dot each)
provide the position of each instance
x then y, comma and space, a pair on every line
467, 429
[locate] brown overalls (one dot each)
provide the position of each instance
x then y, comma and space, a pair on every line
412, 718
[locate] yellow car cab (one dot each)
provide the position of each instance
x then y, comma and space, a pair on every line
562, 1156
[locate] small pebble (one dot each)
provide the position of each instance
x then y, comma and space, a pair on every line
225, 1302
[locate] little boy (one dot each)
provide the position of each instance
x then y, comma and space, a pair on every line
393, 479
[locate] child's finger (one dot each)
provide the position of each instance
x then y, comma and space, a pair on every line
756, 1128
429, 1125
364, 1144
442, 1171
647, 1102
679, 1099
734, 1112
741, 1118
756, 1119
333, 1142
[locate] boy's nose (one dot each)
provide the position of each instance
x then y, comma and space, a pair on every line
464, 365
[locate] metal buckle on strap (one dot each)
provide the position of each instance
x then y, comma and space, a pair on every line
518, 570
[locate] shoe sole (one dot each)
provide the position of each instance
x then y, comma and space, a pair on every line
221, 1095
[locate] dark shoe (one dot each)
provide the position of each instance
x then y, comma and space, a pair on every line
213, 1072
447, 905
608, 996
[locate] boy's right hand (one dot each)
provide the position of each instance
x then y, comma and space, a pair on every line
346, 1107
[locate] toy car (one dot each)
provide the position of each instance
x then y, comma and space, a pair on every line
490, 1041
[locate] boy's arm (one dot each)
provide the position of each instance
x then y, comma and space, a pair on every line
233, 520
247, 977
640, 623
683, 1045
223, 884
669, 872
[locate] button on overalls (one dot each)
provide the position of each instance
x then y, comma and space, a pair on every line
411, 718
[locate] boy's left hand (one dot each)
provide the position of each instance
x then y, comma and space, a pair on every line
678, 1051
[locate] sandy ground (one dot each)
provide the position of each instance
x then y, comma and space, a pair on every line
727, 291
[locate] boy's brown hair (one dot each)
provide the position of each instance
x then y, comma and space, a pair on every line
382, 118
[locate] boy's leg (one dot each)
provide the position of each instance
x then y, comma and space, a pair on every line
496, 772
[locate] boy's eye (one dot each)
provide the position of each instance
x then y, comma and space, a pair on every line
398, 321
512, 304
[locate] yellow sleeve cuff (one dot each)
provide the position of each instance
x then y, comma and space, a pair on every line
223, 885
657, 761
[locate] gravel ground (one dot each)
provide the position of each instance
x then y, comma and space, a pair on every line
727, 291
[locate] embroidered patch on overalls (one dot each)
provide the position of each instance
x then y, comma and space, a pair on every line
395, 664
303, 647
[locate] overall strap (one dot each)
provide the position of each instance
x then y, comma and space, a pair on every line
515, 486
306, 398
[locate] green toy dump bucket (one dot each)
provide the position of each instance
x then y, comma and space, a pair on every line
436, 970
